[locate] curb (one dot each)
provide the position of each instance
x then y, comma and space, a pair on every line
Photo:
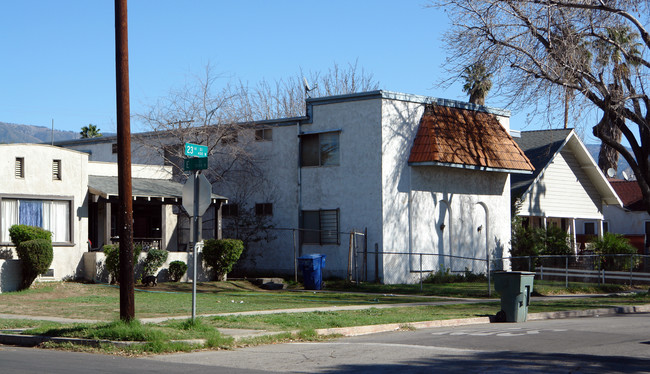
34, 340
373, 329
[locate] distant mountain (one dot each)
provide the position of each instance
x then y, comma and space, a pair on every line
13, 133
623, 166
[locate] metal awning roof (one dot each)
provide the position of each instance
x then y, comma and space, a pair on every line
159, 189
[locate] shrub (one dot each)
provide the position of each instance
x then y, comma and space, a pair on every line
112, 252
222, 254
21, 233
36, 257
525, 242
614, 244
155, 259
176, 270
555, 244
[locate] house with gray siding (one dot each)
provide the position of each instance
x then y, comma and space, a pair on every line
567, 189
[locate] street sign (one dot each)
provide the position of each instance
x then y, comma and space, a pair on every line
204, 199
195, 163
195, 150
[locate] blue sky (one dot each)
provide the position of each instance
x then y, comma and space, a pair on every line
58, 57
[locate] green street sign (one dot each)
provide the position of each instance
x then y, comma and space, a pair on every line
195, 163
195, 150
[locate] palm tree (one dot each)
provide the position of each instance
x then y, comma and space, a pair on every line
478, 82
621, 50
90, 131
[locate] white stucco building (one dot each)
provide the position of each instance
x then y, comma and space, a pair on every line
419, 175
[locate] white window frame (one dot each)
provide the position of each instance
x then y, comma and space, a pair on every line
4, 234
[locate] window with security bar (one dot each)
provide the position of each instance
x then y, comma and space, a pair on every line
320, 226
320, 149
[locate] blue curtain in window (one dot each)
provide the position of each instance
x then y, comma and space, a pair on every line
30, 212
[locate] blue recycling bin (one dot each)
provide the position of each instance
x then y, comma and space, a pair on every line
312, 271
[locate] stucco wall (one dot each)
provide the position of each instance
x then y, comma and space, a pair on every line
624, 222
417, 200
39, 184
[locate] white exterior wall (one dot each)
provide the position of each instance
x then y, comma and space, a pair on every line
354, 186
417, 200
625, 222
39, 184
563, 190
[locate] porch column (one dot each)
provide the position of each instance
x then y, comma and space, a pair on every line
600, 228
107, 223
217, 219
163, 228
574, 238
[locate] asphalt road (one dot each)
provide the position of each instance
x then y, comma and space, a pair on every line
617, 344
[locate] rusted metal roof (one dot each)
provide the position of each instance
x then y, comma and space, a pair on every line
466, 138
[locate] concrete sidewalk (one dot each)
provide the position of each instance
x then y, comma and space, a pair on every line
237, 334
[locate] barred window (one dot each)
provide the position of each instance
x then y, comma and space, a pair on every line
320, 226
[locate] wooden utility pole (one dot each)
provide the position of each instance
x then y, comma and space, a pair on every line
125, 217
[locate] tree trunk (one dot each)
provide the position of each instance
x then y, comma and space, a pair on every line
608, 156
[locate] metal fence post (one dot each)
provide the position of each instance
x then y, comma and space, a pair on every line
631, 268
420, 272
566, 272
541, 272
488, 275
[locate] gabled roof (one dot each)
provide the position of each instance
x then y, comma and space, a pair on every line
107, 187
542, 146
456, 137
630, 194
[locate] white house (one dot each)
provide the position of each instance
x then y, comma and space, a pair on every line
416, 175
567, 189
60, 190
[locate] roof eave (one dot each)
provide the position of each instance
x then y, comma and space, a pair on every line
470, 167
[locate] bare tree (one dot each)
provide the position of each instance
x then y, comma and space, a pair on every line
539, 50
285, 98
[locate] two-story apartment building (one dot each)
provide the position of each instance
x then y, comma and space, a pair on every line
416, 175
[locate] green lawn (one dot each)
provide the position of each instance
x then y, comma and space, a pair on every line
91, 301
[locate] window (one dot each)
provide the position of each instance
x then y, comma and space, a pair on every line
647, 234
20, 167
52, 215
56, 170
319, 149
264, 135
590, 228
320, 226
114, 148
230, 210
264, 209
605, 227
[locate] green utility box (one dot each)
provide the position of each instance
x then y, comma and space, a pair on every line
515, 288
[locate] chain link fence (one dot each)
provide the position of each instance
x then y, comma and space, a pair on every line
627, 269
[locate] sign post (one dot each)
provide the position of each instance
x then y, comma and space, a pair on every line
198, 191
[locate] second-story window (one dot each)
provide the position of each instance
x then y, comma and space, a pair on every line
320, 149
264, 135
